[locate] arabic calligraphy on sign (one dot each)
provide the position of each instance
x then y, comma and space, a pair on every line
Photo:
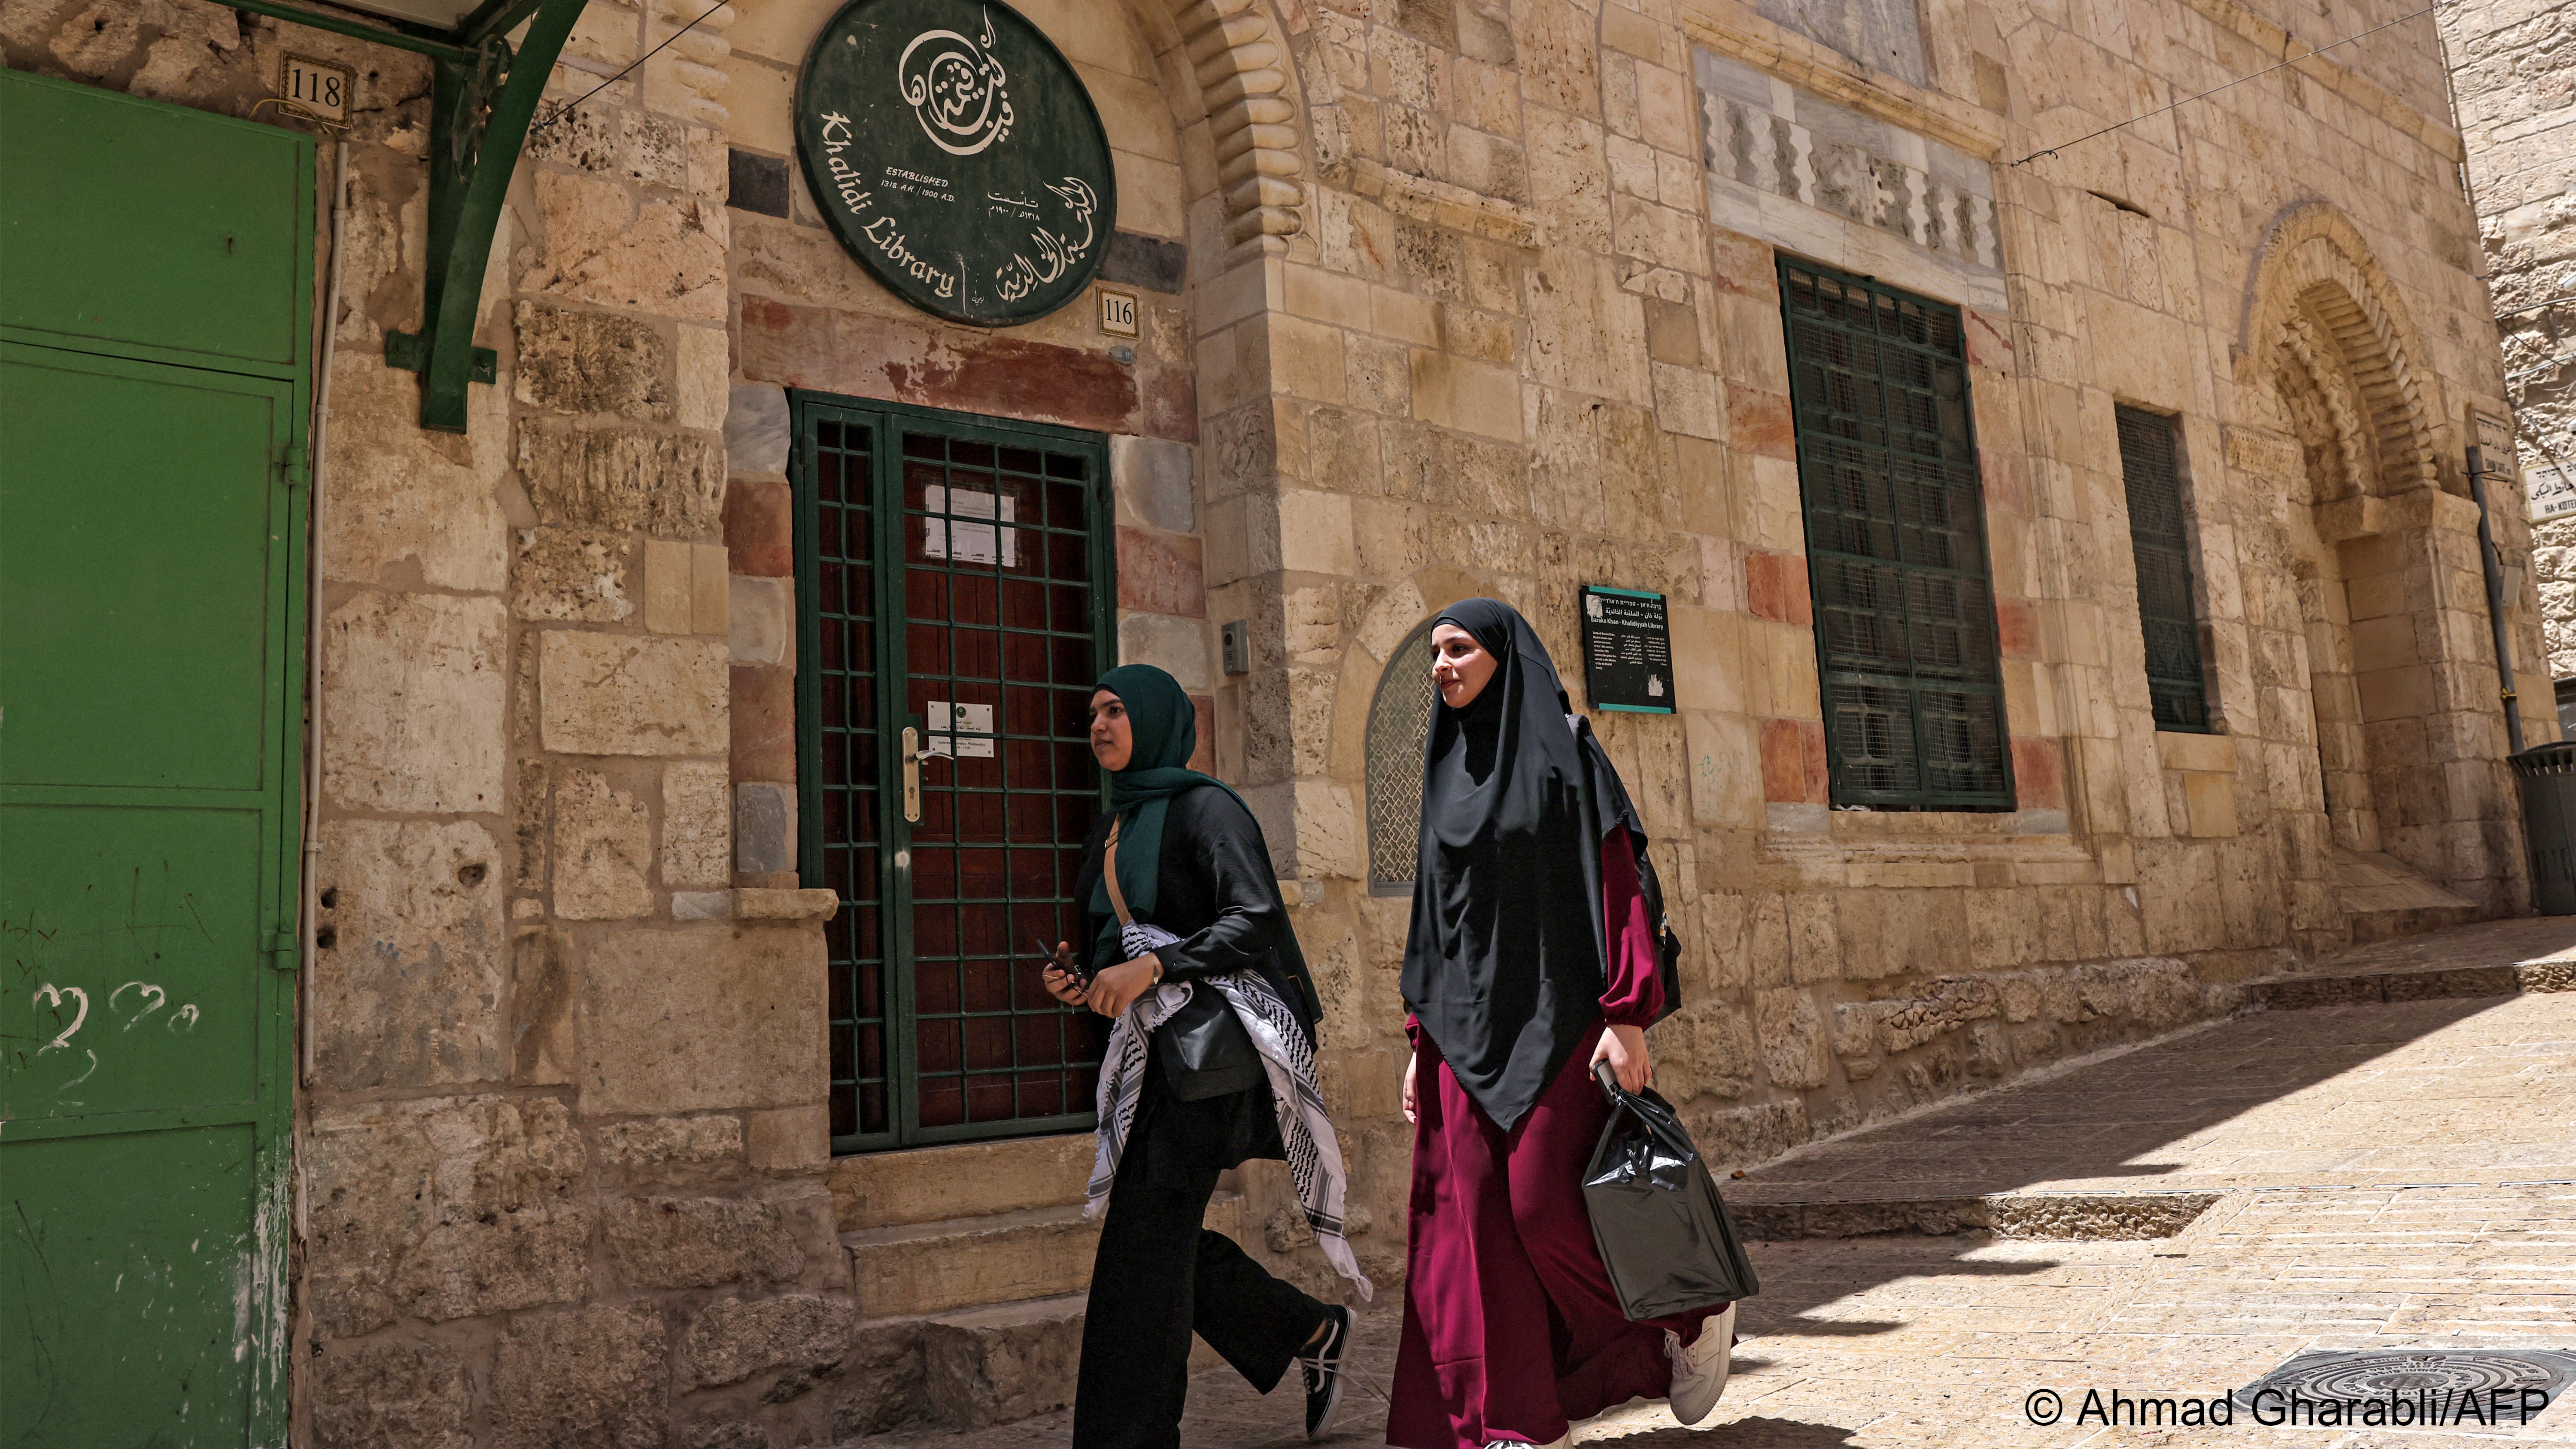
957, 157
955, 87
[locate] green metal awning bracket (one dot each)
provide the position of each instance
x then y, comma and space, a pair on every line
480, 111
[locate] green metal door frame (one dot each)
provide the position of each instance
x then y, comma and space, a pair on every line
263, 1302
894, 887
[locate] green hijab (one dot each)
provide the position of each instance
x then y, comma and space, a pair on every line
1166, 728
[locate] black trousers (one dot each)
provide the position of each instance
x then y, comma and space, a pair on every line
1160, 1275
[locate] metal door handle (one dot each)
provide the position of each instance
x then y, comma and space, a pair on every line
911, 775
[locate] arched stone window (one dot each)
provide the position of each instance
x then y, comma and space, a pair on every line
1399, 718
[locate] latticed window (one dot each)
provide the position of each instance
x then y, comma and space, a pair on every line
2160, 536
1399, 720
1896, 545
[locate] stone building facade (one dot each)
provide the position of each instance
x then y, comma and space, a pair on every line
2513, 71
1436, 298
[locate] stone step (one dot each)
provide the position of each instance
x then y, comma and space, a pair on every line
2408, 983
933, 1184
993, 1258
984, 1366
2054, 1216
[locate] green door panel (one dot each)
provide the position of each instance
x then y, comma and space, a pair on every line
155, 269
121, 1345
135, 568
150, 228
134, 959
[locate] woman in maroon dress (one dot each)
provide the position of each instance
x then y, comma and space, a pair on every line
1531, 958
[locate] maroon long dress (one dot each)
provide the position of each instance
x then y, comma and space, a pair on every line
1511, 1330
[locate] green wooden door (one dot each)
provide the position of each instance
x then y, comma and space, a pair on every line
955, 586
152, 393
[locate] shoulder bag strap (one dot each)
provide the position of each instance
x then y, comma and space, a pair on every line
1109, 875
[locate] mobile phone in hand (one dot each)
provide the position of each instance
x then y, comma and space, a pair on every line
1048, 953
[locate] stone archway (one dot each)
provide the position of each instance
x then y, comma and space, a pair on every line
2342, 441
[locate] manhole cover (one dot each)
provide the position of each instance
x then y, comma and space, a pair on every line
2467, 1386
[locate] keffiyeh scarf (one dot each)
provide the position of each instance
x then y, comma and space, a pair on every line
1314, 1152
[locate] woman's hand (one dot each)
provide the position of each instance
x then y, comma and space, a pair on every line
1115, 989
1411, 1112
1058, 977
1624, 1048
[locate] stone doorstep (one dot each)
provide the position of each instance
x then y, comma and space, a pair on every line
967, 1179
1008, 1361
2408, 983
996, 1258
2051, 1216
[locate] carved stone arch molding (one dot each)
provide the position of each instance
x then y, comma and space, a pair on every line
1232, 55
2315, 290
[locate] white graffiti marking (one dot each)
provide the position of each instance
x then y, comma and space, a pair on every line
52, 995
956, 90
159, 998
184, 1016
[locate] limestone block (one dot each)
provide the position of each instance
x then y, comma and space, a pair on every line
597, 1378
756, 429
764, 828
403, 499
994, 1365
1315, 533
1153, 480
1792, 1033
697, 844
884, 1371
603, 850
572, 573
789, 1138
415, 703
1951, 1002
664, 257
699, 1242
670, 484
762, 618
627, 694
668, 586
592, 362
702, 1018
2211, 801
442, 1208
732, 1340
1705, 1048
808, 903
410, 991
389, 1393
672, 1142
1177, 646
704, 366
1469, 396
710, 592
701, 905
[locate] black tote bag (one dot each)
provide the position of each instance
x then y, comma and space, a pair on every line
1656, 1216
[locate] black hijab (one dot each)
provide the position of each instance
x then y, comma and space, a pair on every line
1507, 960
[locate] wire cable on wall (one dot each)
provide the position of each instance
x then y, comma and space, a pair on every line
562, 111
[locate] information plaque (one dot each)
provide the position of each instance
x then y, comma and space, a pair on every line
1627, 650
955, 153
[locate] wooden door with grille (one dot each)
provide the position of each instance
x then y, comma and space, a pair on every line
955, 592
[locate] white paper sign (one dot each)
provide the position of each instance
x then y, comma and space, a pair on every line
2552, 491
960, 731
980, 543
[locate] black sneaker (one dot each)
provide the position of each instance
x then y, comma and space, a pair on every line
1324, 1381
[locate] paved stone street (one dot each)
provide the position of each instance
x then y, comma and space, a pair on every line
2400, 1174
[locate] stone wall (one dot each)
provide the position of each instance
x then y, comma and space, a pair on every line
2514, 71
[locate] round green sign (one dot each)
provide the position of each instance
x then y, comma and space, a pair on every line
957, 156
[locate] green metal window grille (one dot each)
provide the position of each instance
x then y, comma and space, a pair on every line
1399, 720
2160, 537
1896, 546
985, 639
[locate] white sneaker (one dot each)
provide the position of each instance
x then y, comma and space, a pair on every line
1563, 1441
1699, 1371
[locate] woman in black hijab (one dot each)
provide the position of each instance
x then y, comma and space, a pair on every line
1190, 914
1532, 957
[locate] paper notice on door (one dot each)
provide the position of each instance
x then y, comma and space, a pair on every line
959, 731
958, 541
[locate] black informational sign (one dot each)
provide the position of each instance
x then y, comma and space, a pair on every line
956, 154
1627, 650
